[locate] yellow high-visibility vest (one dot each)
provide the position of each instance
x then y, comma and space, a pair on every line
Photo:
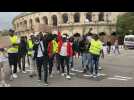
95, 47
13, 39
30, 47
13, 49
55, 46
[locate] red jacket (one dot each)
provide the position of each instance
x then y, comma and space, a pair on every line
69, 49
50, 47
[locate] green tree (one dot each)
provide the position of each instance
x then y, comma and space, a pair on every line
125, 24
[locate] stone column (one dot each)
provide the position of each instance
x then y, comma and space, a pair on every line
82, 18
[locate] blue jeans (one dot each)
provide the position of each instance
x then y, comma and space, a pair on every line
71, 61
86, 59
94, 63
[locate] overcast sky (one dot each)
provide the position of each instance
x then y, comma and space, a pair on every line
6, 19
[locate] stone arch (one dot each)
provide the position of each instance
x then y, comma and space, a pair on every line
45, 20
101, 16
77, 17
25, 23
89, 16
54, 20
37, 20
65, 18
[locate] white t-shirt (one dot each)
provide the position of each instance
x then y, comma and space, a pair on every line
63, 51
40, 54
3, 57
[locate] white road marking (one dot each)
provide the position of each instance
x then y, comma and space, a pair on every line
77, 70
102, 74
118, 79
123, 77
87, 75
72, 73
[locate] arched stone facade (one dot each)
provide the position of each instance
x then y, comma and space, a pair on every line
69, 22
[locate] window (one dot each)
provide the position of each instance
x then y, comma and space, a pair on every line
76, 17
89, 16
25, 24
54, 20
17, 25
37, 20
101, 16
65, 18
45, 20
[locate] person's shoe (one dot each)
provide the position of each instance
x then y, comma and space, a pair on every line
11, 77
51, 76
84, 71
95, 75
63, 74
6, 85
100, 68
24, 72
72, 69
91, 75
15, 76
38, 80
46, 83
68, 77
31, 76
58, 72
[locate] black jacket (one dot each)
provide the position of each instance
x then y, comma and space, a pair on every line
45, 46
22, 48
84, 46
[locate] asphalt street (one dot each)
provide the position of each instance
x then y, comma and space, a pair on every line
117, 71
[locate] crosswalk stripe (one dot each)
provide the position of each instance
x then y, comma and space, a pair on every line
123, 77
118, 79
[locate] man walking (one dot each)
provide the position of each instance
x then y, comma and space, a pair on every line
13, 54
95, 50
41, 56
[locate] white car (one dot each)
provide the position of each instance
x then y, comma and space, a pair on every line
129, 41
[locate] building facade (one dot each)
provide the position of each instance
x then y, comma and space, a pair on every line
67, 22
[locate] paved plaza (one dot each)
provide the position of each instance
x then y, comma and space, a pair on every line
118, 71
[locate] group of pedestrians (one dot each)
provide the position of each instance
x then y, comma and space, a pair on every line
113, 47
49, 50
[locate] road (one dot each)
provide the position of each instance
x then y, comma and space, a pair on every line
118, 71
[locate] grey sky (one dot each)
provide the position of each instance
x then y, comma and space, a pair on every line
6, 19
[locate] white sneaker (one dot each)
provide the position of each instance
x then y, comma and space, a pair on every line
94, 76
100, 68
63, 74
24, 72
6, 85
68, 77
58, 72
11, 77
51, 76
15, 76
72, 69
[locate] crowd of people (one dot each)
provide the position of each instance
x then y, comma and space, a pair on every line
46, 51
